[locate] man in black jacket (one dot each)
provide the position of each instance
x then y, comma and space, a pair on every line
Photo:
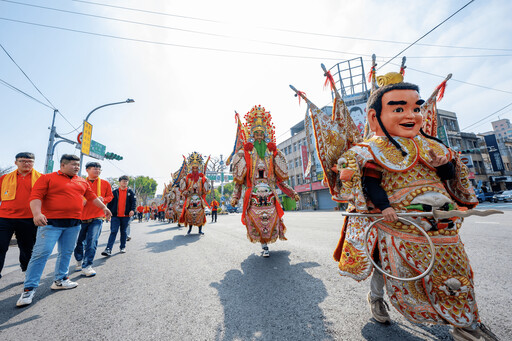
122, 208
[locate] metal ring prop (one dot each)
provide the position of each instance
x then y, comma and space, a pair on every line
432, 251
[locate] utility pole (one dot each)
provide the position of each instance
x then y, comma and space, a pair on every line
49, 152
221, 164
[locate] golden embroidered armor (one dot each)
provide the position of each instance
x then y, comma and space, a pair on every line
446, 294
262, 213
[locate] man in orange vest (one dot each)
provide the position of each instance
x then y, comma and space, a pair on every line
15, 214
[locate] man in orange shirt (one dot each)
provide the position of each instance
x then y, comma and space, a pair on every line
56, 203
15, 214
140, 212
215, 206
123, 208
161, 210
92, 220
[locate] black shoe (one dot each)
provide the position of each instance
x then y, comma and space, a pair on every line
128, 239
107, 253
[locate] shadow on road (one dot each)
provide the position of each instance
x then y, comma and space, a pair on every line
397, 331
8, 305
171, 244
165, 230
271, 299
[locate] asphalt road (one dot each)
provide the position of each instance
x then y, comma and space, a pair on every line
170, 286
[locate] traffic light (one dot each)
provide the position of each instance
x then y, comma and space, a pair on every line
112, 156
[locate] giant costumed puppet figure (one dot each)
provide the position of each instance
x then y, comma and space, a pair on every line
175, 198
259, 167
399, 168
194, 187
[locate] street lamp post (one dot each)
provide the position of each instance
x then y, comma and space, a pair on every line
129, 100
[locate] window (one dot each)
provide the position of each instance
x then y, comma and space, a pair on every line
296, 162
294, 147
298, 179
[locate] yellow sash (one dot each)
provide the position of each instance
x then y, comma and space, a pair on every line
10, 184
98, 186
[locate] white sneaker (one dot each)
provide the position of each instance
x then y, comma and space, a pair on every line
266, 253
26, 298
63, 284
88, 271
78, 265
122, 250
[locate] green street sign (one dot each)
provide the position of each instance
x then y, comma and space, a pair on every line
50, 167
97, 150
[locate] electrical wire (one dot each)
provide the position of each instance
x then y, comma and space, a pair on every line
426, 34
12, 59
486, 117
169, 44
290, 31
12, 87
245, 39
31, 82
455, 80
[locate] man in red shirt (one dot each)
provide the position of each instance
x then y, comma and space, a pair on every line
56, 203
123, 208
215, 206
140, 212
15, 214
92, 221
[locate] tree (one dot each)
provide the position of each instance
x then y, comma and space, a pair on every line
145, 187
213, 165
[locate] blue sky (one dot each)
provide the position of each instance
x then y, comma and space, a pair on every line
185, 97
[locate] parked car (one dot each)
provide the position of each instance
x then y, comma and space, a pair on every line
484, 196
207, 211
505, 196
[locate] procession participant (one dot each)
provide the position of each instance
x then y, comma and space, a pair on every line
194, 188
140, 212
15, 214
215, 206
56, 203
399, 168
177, 200
161, 210
146, 212
123, 208
92, 220
260, 167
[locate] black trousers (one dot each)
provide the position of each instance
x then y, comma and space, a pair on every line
26, 233
214, 215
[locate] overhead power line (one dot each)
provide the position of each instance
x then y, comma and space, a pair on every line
12, 87
240, 38
216, 49
290, 31
486, 117
426, 34
19, 67
455, 80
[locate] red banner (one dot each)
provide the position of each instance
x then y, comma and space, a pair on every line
304, 157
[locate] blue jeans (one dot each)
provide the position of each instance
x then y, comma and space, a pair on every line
87, 242
47, 237
115, 224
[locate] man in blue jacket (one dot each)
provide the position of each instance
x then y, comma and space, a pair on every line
122, 208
